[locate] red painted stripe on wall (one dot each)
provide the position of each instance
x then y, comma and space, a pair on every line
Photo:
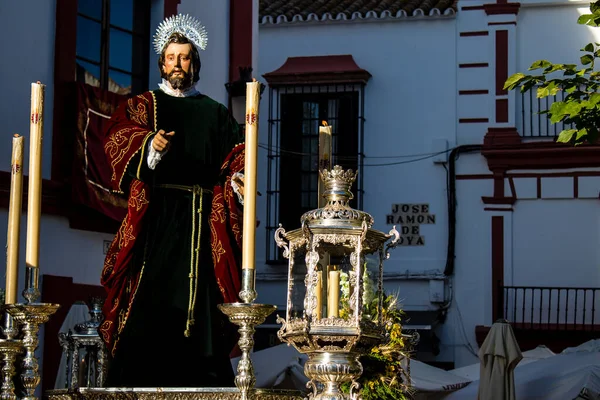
497, 264
472, 8
517, 175
473, 120
474, 65
171, 7
240, 36
474, 33
471, 92
501, 110
501, 61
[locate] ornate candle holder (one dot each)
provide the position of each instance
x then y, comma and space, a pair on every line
10, 348
246, 316
30, 316
336, 256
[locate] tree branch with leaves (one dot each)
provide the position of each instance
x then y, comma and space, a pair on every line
580, 106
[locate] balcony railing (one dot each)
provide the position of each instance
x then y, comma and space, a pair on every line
551, 308
531, 123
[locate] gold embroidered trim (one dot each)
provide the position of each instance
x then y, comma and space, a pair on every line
128, 161
142, 156
155, 114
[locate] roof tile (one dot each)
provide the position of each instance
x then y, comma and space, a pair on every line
274, 9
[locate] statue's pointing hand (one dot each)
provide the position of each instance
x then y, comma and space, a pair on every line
161, 140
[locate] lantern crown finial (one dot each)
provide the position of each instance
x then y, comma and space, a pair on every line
337, 209
338, 176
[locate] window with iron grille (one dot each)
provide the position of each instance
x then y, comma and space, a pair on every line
295, 114
112, 44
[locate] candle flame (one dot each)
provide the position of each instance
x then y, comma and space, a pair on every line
324, 123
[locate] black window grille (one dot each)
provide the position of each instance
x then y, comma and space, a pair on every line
112, 44
295, 114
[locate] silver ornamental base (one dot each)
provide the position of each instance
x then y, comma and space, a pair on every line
30, 317
246, 316
332, 370
168, 394
9, 348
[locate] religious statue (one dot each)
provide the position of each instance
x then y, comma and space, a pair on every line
176, 154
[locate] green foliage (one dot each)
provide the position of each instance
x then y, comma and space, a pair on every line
581, 104
384, 377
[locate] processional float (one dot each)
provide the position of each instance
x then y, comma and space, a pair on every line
334, 259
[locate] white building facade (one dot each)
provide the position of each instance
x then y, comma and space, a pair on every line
440, 142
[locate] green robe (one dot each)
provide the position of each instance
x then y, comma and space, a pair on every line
158, 347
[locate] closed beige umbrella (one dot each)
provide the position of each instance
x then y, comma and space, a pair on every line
499, 355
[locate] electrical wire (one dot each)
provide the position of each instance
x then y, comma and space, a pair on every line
420, 156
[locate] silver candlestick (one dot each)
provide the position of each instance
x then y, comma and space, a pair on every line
10, 347
246, 316
30, 317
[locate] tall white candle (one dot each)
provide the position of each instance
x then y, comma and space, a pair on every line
333, 293
34, 193
250, 181
14, 220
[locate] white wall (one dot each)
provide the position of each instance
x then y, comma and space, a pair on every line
412, 100
552, 33
214, 15
28, 59
552, 236
63, 251
413, 69
408, 104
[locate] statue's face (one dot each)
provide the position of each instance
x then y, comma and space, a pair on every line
177, 65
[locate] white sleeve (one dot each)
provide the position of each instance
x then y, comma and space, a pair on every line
236, 188
154, 156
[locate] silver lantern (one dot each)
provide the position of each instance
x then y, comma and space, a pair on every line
86, 353
335, 288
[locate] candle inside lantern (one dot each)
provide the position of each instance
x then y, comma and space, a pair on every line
318, 294
324, 157
333, 292
34, 193
14, 220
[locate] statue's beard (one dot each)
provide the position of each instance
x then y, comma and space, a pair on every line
180, 82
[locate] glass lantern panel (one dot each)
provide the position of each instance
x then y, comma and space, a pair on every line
371, 291
88, 367
298, 288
